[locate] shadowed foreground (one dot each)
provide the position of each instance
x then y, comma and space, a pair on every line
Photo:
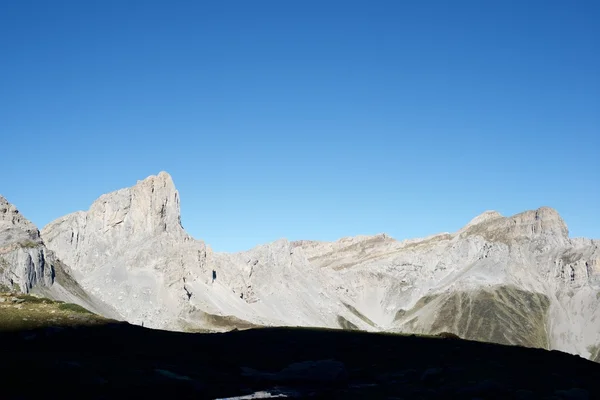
120, 360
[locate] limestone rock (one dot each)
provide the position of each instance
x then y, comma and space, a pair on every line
518, 279
26, 265
23, 261
130, 250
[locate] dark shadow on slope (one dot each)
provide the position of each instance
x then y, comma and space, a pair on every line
360, 315
345, 324
126, 361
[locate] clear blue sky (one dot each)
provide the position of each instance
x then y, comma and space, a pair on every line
305, 119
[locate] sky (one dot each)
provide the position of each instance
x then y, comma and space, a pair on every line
305, 119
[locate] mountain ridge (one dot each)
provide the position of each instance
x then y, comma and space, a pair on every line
516, 274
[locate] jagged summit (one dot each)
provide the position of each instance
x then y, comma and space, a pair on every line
150, 206
483, 217
11, 218
128, 245
130, 250
162, 176
544, 222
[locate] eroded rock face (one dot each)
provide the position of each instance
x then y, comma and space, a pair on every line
26, 265
23, 262
518, 279
116, 221
130, 250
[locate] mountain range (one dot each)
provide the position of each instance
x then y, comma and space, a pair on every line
517, 280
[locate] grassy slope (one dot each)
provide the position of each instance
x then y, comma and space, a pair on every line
23, 312
501, 314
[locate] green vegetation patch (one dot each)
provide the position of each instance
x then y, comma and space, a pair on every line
23, 312
34, 299
28, 244
73, 307
594, 353
504, 315
227, 321
3, 264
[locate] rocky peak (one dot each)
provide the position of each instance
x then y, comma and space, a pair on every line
545, 222
23, 263
483, 217
117, 222
151, 206
14, 227
11, 218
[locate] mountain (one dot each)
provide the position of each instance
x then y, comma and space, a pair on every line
510, 280
27, 266
130, 250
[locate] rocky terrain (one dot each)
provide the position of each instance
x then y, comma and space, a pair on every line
27, 266
512, 280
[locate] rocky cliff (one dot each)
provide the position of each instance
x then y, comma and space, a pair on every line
516, 280
23, 261
130, 250
26, 265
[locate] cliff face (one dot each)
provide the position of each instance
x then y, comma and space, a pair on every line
513, 280
115, 220
517, 279
27, 266
130, 250
23, 258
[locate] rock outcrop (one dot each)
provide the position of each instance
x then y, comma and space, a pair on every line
516, 280
23, 262
130, 250
27, 266
513, 280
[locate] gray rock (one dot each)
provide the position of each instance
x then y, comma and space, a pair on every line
23, 261
130, 254
27, 266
